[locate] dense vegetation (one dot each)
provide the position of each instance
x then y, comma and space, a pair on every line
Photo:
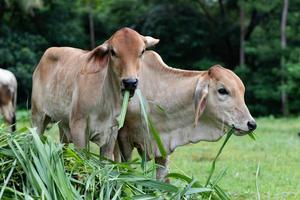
42, 168
194, 34
274, 156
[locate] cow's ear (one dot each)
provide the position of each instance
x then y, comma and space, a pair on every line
100, 50
150, 41
201, 93
97, 60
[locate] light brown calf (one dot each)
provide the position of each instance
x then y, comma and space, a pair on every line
197, 106
82, 89
8, 97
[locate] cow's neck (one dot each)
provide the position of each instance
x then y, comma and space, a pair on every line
174, 90
111, 100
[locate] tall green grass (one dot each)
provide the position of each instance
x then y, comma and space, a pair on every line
38, 168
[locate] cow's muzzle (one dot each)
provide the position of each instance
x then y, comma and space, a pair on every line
251, 125
129, 85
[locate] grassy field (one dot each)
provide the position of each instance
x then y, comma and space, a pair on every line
276, 151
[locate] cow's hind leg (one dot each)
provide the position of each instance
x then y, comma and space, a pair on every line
162, 168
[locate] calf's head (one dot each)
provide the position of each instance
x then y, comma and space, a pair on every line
219, 97
124, 53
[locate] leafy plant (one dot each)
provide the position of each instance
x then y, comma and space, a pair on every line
39, 168
121, 117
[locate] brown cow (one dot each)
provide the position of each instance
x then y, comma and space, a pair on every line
196, 106
8, 97
82, 89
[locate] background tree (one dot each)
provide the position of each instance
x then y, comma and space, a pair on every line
194, 34
284, 98
242, 33
90, 6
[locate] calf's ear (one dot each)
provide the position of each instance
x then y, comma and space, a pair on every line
97, 60
150, 41
201, 93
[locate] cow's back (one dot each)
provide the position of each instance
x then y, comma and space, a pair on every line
8, 88
8, 79
53, 81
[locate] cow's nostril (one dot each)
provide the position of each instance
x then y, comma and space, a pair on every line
251, 125
130, 85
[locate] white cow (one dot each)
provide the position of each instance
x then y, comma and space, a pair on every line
8, 97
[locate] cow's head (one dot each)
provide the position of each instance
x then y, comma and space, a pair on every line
124, 53
220, 97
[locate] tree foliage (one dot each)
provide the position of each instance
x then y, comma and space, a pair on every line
194, 34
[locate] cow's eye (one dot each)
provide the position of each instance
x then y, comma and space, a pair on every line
113, 53
223, 91
142, 52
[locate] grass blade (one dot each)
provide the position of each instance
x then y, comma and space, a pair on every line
221, 193
213, 166
158, 185
256, 182
121, 117
151, 125
179, 176
7, 179
252, 135
197, 190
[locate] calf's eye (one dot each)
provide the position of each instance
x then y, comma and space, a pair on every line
223, 91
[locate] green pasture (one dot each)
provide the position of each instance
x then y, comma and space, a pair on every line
276, 152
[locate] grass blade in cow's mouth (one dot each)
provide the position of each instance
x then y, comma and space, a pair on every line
213, 166
150, 124
252, 135
121, 117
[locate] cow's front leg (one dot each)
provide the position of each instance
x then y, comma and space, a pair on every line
64, 133
78, 129
162, 168
123, 150
107, 150
117, 153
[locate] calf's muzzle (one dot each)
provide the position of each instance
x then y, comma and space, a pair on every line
129, 85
